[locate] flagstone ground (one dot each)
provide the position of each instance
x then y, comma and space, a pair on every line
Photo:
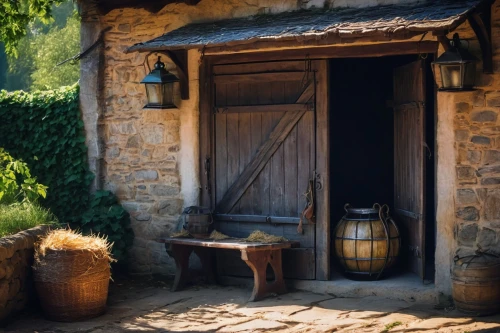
147, 305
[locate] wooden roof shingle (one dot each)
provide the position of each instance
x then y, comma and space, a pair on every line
345, 23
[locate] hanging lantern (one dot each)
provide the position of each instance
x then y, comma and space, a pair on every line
457, 67
160, 87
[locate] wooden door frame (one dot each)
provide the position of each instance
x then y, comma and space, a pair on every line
322, 240
323, 232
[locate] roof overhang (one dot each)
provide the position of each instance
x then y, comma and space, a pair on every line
319, 27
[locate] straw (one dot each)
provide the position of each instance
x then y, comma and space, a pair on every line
260, 236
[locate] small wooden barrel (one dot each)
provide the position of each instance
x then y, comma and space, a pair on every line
367, 242
197, 221
476, 284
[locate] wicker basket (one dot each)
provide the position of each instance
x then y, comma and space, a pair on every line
72, 284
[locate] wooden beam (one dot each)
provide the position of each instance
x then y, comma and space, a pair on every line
482, 28
259, 77
304, 41
179, 58
206, 139
256, 219
352, 51
322, 180
267, 149
263, 108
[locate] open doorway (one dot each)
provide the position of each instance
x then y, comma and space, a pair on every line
363, 157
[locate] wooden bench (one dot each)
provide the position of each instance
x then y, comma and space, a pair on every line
256, 255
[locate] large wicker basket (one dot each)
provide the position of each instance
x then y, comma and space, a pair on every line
72, 284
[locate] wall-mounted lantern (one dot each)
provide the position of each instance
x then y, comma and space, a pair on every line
160, 87
457, 67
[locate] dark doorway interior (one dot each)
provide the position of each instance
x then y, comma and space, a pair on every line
362, 139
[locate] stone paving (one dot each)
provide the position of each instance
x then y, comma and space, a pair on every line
148, 306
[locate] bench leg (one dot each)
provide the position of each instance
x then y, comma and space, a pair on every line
207, 259
181, 254
257, 261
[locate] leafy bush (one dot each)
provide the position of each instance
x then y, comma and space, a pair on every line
22, 216
45, 130
106, 216
16, 182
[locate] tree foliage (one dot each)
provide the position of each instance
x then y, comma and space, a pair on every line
52, 48
44, 46
15, 15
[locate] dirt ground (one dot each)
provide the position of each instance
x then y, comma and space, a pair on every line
147, 305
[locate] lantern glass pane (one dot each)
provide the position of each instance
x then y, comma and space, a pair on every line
168, 94
154, 93
452, 76
470, 75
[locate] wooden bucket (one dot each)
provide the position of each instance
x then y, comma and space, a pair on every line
198, 221
367, 241
476, 284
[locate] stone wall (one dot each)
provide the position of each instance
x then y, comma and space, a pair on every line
477, 152
16, 259
149, 158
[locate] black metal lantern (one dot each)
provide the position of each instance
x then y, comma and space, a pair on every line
457, 67
160, 87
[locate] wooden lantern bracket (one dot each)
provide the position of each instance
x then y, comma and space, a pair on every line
480, 22
180, 60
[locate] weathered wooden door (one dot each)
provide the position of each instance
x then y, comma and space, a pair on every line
264, 149
409, 163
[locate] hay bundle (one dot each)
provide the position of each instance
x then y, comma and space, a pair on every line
72, 274
181, 234
262, 237
215, 235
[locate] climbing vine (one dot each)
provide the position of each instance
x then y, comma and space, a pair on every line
45, 130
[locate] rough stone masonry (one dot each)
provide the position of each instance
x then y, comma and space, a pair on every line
16, 258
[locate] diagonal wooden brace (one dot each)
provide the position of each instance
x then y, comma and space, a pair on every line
258, 261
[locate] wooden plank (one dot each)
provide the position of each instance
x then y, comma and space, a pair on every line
205, 133
245, 143
257, 218
232, 244
260, 67
256, 141
409, 162
262, 108
330, 52
290, 158
277, 184
233, 138
264, 178
293, 42
238, 187
322, 169
221, 153
259, 77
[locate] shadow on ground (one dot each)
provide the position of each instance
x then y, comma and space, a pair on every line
147, 305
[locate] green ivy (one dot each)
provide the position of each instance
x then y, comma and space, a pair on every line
106, 216
45, 130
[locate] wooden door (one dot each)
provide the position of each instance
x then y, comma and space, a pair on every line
264, 157
409, 163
